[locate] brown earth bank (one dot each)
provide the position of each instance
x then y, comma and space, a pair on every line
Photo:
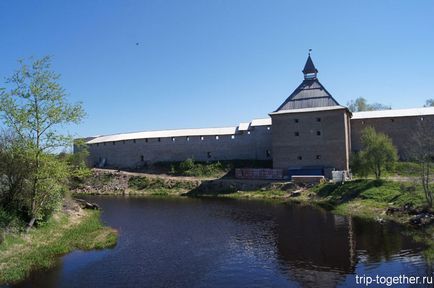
116, 182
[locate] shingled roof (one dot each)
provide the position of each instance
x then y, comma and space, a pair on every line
310, 93
309, 67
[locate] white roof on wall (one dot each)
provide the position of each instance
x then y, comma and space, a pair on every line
181, 132
394, 113
244, 126
261, 122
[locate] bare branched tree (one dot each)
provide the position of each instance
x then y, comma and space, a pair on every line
421, 148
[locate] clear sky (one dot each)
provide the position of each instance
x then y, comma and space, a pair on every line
217, 63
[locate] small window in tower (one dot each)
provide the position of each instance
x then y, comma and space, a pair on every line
201, 138
318, 157
268, 128
146, 140
208, 154
216, 137
159, 139
123, 141
233, 137
97, 144
318, 119
421, 118
187, 138
297, 133
104, 143
268, 153
134, 140
142, 158
299, 158
296, 120
173, 139
248, 132
392, 120
318, 133
363, 122
113, 142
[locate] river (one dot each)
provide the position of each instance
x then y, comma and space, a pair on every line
184, 242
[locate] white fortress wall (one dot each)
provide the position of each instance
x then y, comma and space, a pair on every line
248, 141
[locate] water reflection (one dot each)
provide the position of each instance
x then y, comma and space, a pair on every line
232, 243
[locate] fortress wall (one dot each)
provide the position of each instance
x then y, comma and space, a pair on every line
132, 154
402, 130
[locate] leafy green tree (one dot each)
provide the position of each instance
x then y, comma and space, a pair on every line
34, 108
429, 103
361, 104
15, 170
377, 155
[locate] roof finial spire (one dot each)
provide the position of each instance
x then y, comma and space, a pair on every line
309, 70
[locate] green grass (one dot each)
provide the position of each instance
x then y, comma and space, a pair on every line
212, 169
369, 198
406, 169
145, 183
22, 253
197, 169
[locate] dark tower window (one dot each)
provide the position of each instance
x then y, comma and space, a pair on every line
318, 119
318, 133
159, 139
123, 141
134, 141
299, 158
208, 154
296, 133
318, 157
146, 140
114, 143
268, 153
392, 120
142, 158
296, 120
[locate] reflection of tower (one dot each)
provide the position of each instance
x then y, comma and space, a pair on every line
314, 246
352, 242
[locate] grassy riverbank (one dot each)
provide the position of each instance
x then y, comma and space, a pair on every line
63, 233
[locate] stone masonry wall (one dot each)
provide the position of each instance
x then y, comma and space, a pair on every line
402, 131
311, 139
254, 144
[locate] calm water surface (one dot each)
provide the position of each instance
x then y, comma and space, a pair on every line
233, 243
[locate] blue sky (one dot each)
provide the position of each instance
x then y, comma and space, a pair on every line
217, 63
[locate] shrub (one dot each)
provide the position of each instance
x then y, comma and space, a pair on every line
377, 155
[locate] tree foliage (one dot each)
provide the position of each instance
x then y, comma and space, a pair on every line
33, 108
361, 104
429, 103
377, 155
